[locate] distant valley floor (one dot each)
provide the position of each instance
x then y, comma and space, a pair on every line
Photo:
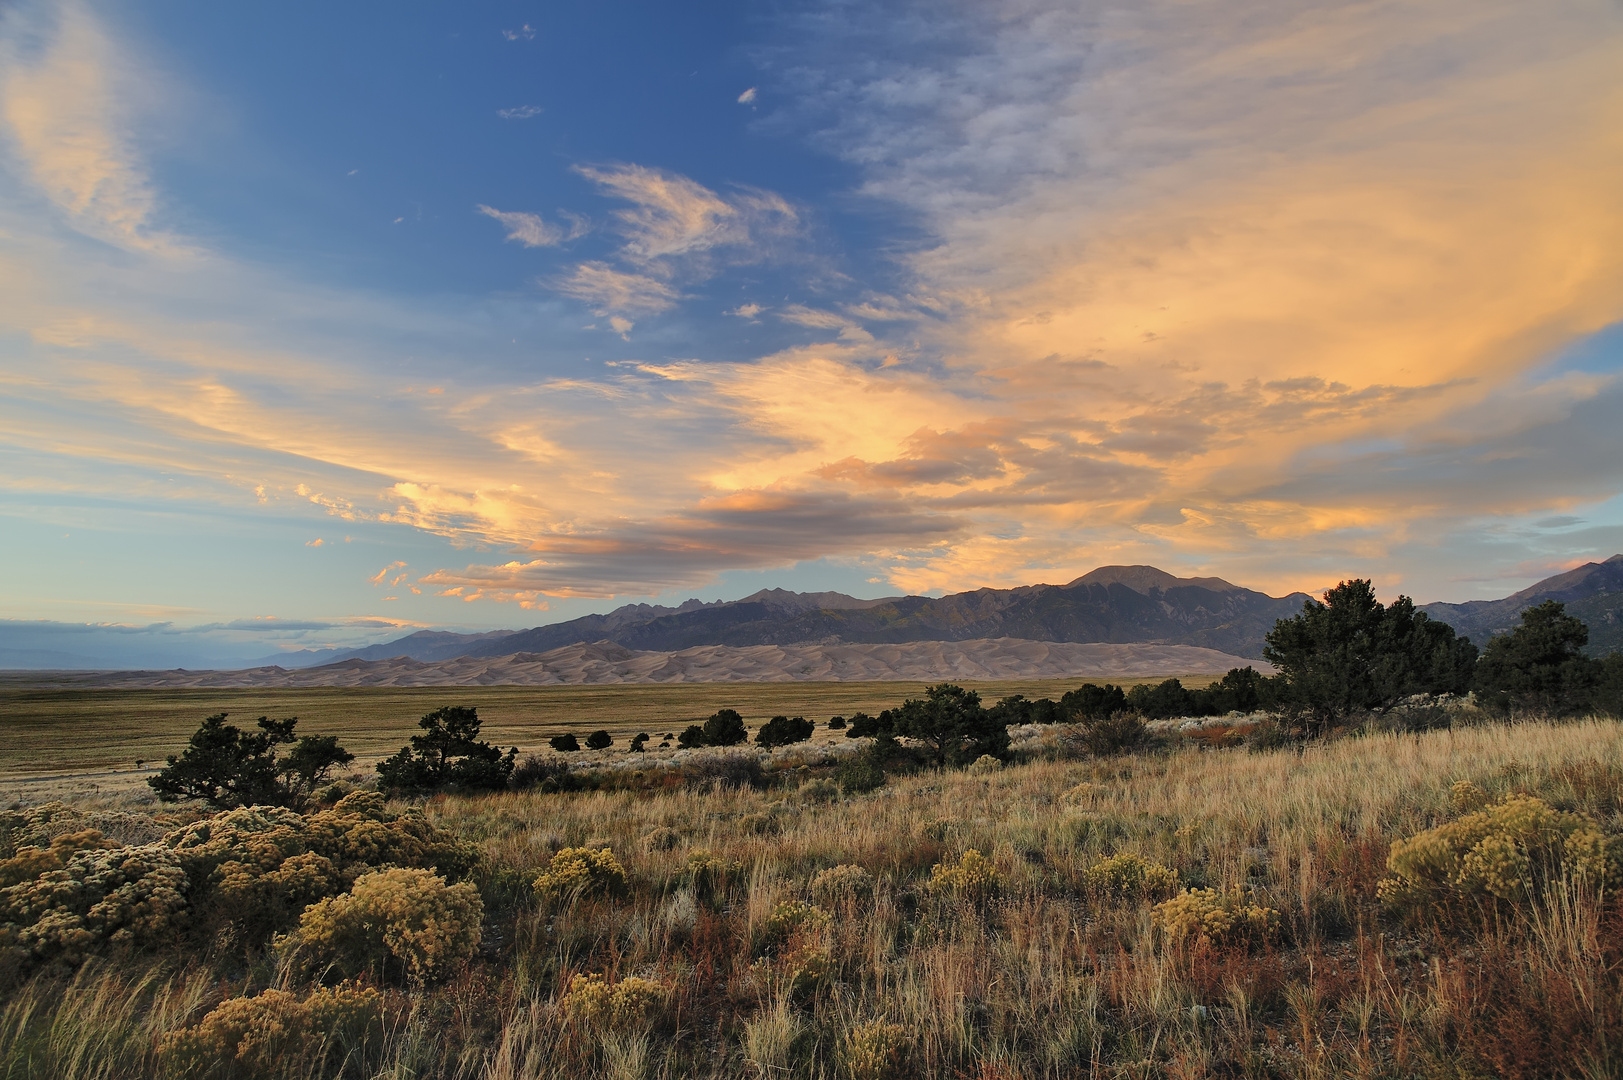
604, 662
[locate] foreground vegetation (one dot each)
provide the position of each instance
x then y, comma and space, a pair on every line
1181, 911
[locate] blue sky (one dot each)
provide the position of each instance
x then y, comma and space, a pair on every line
336, 321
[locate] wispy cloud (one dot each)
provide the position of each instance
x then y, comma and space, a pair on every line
520, 112
610, 290
672, 216
747, 97
523, 33
67, 110
532, 230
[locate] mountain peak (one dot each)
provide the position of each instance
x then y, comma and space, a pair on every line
1141, 579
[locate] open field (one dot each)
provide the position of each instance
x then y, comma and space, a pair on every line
1039, 967
54, 731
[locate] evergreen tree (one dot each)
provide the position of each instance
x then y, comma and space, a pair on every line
951, 723
228, 767
448, 755
1539, 666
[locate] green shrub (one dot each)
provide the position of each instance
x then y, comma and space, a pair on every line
819, 790
599, 740
760, 825
844, 882
1130, 877
448, 755
582, 871
1218, 917
1119, 733
725, 728
276, 1035
782, 731
393, 921
226, 766
565, 743
986, 763
860, 773
1509, 851
877, 1050
692, 738
972, 877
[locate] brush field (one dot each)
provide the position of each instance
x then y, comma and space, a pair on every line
989, 923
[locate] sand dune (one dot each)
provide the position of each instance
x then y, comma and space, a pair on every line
606, 662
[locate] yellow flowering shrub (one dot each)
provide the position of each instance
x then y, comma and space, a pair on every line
1130, 877
877, 1050
593, 1004
973, 877
842, 882
790, 919
710, 874
1215, 916
402, 919
276, 1035
582, 871
986, 763
257, 868
1465, 797
1506, 851
123, 897
663, 838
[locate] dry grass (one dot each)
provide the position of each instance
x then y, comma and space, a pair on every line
1044, 979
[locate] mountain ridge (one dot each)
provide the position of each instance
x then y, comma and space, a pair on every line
1592, 592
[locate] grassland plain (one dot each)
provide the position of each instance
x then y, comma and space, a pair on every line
995, 923
55, 732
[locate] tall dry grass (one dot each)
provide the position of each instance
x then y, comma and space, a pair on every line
1042, 979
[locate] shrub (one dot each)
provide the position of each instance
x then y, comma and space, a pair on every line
584, 871
860, 773
638, 742
122, 898
783, 731
663, 838
819, 790
1539, 666
448, 755
760, 825
790, 919
986, 763
536, 771
1081, 793
692, 738
1267, 736
565, 743
594, 1005
725, 728
1221, 918
709, 874
1130, 877
836, 723
599, 740
842, 883
877, 1050
226, 766
1120, 733
276, 1034
951, 723
727, 770
972, 877
1466, 797
1506, 852
401, 919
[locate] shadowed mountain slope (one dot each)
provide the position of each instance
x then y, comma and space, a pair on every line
1115, 604
1593, 592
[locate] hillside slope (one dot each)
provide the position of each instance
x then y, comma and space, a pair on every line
1592, 592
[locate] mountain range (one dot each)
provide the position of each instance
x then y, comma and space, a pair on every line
1592, 592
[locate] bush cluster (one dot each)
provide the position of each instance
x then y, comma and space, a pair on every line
393, 922
841, 883
276, 1034
582, 871
792, 919
593, 1004
1129, 877
783, 731
1218, 917
972, 877
252, 870
1509, 851
877, 1050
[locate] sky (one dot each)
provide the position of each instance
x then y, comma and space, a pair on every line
323, 323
